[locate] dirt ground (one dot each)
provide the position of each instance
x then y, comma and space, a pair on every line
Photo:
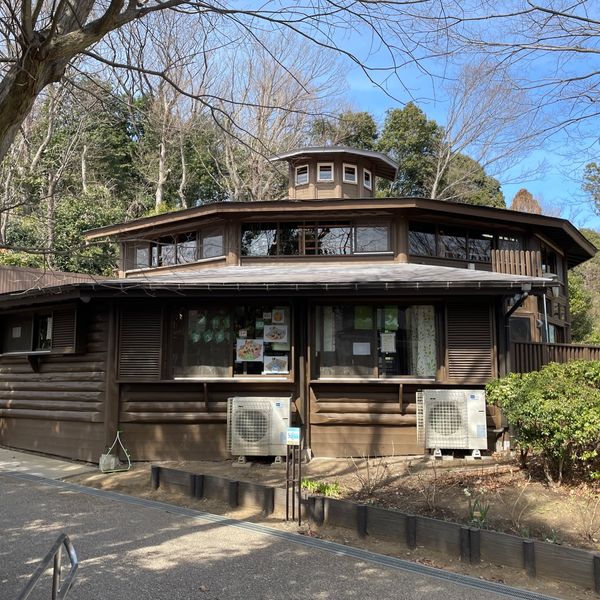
496, 494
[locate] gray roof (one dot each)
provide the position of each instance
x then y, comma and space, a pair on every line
334, 276
384, 166
294, 278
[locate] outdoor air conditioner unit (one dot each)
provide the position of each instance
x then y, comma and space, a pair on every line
452, 419
257, 426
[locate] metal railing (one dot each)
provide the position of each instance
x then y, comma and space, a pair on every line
59, 589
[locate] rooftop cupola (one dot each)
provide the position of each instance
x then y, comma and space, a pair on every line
317, 173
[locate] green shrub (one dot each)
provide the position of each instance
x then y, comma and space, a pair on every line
555, 412
321, 487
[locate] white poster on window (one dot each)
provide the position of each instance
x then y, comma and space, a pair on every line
388, 343
361, 348
249, 350
276, 333
16, 332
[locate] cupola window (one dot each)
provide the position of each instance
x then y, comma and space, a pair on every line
325, 172
367, 179
302, 175
350, 174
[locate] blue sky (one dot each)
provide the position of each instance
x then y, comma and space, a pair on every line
558, 184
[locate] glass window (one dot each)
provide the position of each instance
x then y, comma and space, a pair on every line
367, 179
141, 256
421, 240
259, 239
508, 242
350, 175
369, 341
202, 341
288, 237
212, 244
167, 251
480, 246
334, 240
224, 342
372, 238
187, 248
302, 175
325, 172
42, 332
17, 335
453, 243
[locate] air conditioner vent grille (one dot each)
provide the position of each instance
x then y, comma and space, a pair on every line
445, 418
251, 425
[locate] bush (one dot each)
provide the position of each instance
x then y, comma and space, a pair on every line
555, 412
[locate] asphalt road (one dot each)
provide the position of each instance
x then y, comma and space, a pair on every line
134, 549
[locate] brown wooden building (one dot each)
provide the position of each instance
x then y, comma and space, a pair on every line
348, 303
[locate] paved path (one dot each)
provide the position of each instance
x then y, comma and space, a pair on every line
51, 468
131, 548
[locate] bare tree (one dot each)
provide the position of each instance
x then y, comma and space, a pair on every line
264, 78
490, 120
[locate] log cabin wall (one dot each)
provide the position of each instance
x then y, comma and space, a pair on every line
58, 409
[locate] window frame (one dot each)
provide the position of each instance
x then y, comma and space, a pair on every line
325, 164
350, 166
288, 377
33, 320
440, 343
369, 185
298, 168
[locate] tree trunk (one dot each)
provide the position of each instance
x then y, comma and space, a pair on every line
50, 206
162, 176
84, 185
184, 174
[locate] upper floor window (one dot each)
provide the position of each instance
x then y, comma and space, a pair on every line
452, 242
325, 172
293, 238
367, 179
176, 249
350, 174
302, 175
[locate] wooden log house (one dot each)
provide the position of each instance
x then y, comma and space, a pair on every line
346, 302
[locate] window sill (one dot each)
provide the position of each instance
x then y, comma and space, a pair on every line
238, 379
381, 381
26, 353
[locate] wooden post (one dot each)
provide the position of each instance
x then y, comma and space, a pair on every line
529, 557
111, 387
361, 520
268, 501
597, 573
411, 531
198, 486
475, 540
155, 477
232, 494
465, 544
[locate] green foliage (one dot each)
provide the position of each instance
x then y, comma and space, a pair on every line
321, 487
478, 507
468, 183
584, 296
410, 138
555, 413
354, 129
580, 300
591, 183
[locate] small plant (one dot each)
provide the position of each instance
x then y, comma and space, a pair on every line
588, 513
371, 475
324, 488
478, 508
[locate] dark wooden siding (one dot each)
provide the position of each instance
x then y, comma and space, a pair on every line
183, 421
363, 420
470, 343
59, 409
64, 330
140, 339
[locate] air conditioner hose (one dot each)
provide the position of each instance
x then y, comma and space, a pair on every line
125, 451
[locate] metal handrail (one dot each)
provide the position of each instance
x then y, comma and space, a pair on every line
59, 590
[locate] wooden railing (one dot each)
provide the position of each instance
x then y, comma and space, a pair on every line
517, 262
532, 356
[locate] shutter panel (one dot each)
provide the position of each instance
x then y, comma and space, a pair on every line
470, 343
64, 330
140, 343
